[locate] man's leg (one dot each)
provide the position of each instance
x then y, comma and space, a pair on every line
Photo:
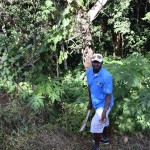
97, 128
97, 137
105, 136
106, 133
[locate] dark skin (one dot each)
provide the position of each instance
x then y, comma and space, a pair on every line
96, 68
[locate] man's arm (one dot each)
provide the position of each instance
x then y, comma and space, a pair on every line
107, 102
106, 107
90, 100
107, 88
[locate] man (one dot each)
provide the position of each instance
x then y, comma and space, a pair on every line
100, 87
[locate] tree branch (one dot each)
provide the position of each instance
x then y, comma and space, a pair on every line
95, 9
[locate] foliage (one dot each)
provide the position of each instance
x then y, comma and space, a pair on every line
120, 21
43, 94
121, 29
72, 116
15, 120
40, 35
74, 85
131, 90
75, 100
147, 17
37, 37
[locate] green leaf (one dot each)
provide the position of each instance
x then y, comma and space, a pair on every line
29, 46
147, 17
17, 56
48, 3
66, 22
80, 3
4, 57
36, 101
57, 38
12, 60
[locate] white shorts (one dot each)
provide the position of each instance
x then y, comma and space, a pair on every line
96, 126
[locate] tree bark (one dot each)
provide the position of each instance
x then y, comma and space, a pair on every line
117, 44
84, 20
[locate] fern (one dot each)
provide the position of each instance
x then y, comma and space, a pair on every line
51, 89
36, 101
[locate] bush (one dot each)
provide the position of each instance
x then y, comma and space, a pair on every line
72, 117
131, 90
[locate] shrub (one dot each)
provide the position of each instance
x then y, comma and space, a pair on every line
131, 90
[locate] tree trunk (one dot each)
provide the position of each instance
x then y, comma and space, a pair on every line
65, 60
57, 66
117, 44
95, 9
84, 20
86, 38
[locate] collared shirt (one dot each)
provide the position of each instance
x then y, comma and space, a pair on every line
100, 84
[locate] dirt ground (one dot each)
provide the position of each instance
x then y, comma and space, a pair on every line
57, 140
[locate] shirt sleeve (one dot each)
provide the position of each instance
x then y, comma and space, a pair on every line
108, 85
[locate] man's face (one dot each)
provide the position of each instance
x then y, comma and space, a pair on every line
96, 66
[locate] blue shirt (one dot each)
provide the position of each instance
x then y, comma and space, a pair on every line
100, 85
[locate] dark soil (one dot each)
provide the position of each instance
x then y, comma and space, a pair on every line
4, 100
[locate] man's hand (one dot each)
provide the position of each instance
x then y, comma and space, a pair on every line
103, 117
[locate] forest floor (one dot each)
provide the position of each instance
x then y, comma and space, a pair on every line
58, 140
